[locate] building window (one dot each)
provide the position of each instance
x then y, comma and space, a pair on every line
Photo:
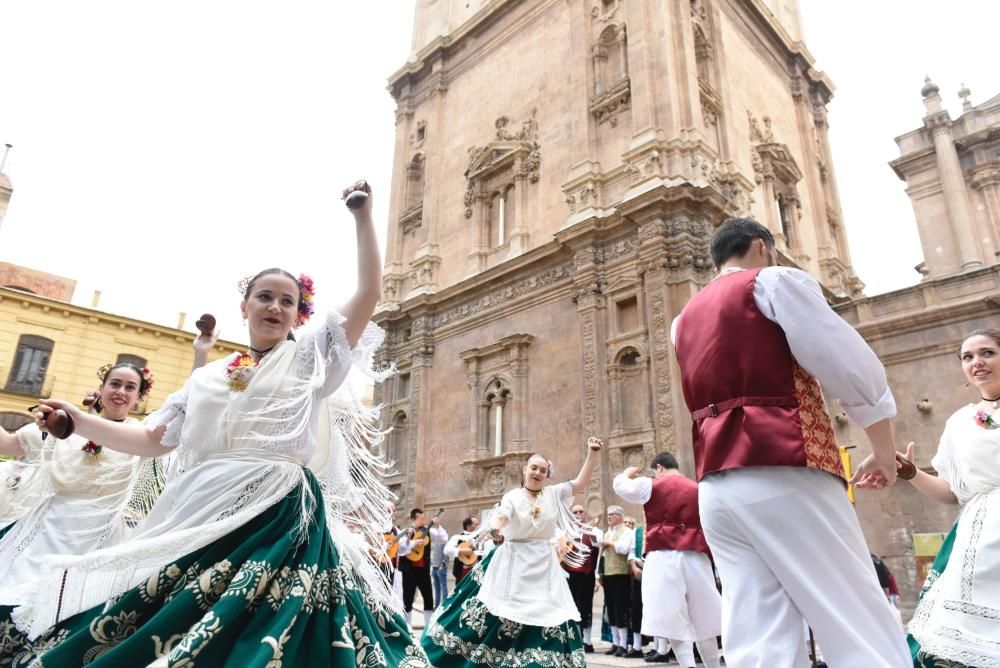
134, 360
397, 439
31, 361
498, 402
12, 421
402, 386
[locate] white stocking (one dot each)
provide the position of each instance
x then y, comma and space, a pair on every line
684, 651
709, 650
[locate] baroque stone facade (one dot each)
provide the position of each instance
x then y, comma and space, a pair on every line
559, 168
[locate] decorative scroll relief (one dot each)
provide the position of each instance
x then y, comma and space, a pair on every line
514, 154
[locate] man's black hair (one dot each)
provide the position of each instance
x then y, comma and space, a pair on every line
734, 236
468, 522
415, 512
664, 459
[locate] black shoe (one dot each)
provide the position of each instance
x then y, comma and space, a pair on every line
635, 654
588, 649
658, 658
621, 652
650, 654
612, 651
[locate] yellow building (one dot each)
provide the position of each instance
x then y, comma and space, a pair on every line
51, 348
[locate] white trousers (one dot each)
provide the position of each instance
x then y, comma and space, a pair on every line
679, 597
788, 546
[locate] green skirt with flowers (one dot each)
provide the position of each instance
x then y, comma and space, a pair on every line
253, 598
464, 633
920, 659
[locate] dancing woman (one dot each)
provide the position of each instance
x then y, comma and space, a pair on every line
515, 607
956, 621
71, 496
244, 560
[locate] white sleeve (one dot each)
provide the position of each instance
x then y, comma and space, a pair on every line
947, 467
173, 412
29, 437
405, 546
673, 328
626, 544
439, 535
338, 356
634, 490
824, 344
451, 547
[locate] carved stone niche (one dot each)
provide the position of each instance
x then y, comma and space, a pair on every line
497, 378
492, 476
637, 450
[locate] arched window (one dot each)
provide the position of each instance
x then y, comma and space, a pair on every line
613, 42
415, 182
12, 421
31, 361
397, 438
134, 360
498, 402
498, 220
630, 409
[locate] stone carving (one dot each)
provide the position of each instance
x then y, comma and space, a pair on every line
661, 357
528, 131
495, 480
500, 296
758, 134
513, 155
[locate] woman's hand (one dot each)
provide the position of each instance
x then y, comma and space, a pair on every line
47, 406
595, 444
366, 207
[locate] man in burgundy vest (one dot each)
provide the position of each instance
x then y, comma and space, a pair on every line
753, 347
681, 604
582, 579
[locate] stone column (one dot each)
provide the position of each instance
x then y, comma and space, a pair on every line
591, 307
956, 202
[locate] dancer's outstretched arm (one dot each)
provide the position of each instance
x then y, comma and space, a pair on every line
9, 445
359, 308
132, 439
582, 478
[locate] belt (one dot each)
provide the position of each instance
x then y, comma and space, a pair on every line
714, 410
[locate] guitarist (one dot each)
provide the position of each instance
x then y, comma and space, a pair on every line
583, 579
460, 545
417, 571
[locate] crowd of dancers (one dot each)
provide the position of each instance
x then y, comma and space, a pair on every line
244, 523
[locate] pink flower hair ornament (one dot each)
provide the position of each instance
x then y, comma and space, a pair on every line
306, 307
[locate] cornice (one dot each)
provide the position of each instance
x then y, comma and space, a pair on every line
94, 316
446, 48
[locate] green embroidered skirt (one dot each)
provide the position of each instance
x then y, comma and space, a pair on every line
252, 598
921, 660
464, 633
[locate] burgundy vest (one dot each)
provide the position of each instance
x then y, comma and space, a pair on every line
672, 520
751, 403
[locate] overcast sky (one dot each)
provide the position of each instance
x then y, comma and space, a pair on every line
162, 151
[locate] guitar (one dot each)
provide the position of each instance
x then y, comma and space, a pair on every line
388, 555
421, 539
467, 559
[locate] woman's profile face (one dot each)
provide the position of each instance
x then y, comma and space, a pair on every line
979, 357
272, 307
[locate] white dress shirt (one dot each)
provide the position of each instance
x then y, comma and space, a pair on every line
822, 342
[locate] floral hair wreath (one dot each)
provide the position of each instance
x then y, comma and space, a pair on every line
306, 289
144, 372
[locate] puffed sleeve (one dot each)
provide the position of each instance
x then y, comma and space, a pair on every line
330, 341
946, 464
